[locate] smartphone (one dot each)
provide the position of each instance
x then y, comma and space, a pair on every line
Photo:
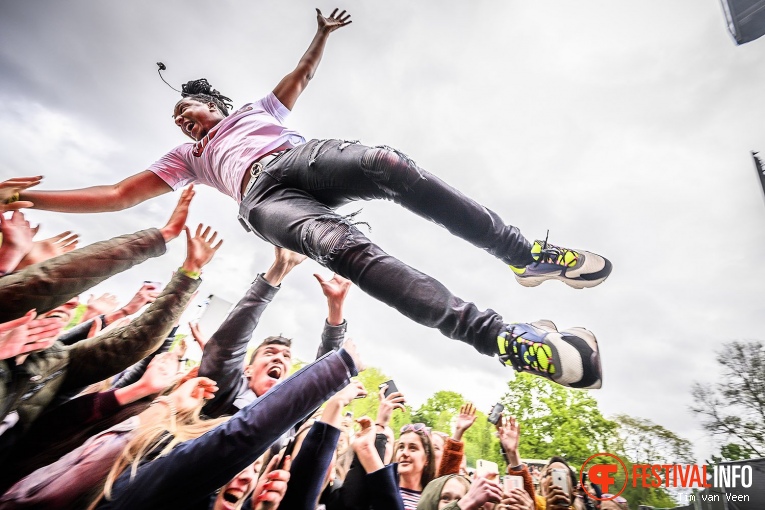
496, 413
391, 387
512, 482
560, 478
486, 469
157, 285
287, 451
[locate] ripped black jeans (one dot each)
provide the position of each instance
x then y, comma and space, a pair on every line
292, 205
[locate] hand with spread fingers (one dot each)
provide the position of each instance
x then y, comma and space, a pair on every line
200, 249
49, 248
465, 420
28, 334
334, 21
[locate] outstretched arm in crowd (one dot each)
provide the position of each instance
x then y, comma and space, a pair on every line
52, 283
335, 290
233, 445
380, 482
291, 86
224, 353
509, 432
102, 356
66, 427
454, 448
314, 458
114, 197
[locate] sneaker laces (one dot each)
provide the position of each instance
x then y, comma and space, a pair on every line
525, 354
552, 254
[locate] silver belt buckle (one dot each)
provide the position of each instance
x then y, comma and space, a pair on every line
255, 170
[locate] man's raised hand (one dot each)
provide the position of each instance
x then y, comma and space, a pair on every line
334, 21
178, 218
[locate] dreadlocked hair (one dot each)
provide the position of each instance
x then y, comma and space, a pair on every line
200, 90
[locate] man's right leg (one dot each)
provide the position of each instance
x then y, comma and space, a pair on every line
295, 220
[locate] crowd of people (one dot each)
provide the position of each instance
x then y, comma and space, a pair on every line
99, 412
101, 416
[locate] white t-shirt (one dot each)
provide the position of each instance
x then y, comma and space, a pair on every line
226, 153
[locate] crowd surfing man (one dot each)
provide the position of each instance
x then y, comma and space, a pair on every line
288, 189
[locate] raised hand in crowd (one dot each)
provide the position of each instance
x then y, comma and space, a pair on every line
388, 404
49, 248
465, 420
107, 304
350, 347
517, 499
27, 334
200, 249
161, 373
332, 412
101, 305
17, 241
10, 189
509, 433
364, 445
197, 335
272, 485
284, 262
177, 221
335, 289
191, 392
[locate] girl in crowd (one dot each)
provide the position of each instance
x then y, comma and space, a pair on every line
416, 462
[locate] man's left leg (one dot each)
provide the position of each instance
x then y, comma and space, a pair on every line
337, 172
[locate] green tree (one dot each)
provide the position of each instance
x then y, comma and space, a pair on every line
439, 410
642, 441
646, 442
557, 421
733, 409
372, 378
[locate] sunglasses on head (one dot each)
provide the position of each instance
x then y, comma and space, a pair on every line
416, 427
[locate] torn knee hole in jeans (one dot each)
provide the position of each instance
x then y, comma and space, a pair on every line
326, 235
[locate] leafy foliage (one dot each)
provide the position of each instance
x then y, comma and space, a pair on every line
733, 409
557, 421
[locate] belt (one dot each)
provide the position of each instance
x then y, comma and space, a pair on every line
257, 168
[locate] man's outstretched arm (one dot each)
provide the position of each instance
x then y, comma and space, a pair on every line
114, 197
289, 89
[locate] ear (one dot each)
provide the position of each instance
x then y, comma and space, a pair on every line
212, 106
248, 371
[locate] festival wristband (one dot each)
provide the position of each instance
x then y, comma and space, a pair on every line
194, 275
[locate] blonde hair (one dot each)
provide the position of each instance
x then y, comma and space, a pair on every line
180, 426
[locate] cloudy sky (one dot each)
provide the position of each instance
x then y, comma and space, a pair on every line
622, 127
